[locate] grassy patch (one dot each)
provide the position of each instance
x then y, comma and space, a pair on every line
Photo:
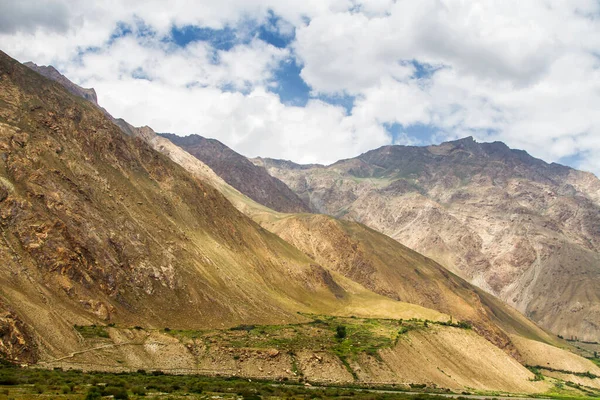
91, 331
345, 337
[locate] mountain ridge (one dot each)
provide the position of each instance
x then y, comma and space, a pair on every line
493, 215
238, 171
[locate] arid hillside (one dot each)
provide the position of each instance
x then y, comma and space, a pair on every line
97, 226
523, 230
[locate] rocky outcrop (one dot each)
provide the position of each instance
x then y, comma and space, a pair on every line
16, 344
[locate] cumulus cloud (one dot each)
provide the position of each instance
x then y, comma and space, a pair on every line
29, 15
526, 73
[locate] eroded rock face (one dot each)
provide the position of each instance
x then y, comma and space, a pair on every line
16, 343
525, 231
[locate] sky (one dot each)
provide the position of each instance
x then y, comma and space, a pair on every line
314, 81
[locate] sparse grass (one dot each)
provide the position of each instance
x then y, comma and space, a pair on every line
91, 331
345, 337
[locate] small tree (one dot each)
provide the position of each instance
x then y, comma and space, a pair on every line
340, 332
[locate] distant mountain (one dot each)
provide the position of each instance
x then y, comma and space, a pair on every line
524, 230
253, 181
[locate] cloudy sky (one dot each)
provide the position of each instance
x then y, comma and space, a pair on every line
321, 80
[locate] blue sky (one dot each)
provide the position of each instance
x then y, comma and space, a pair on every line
317, 81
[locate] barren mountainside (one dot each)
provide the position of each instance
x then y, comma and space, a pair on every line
523, 230
97, 226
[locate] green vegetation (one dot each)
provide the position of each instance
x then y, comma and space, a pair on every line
25, 383
91, 331
340, 332
346, 337
538, 374
587, 374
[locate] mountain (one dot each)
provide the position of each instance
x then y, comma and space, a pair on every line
98, 227
51, 73
125, 252
523, 230
253, 181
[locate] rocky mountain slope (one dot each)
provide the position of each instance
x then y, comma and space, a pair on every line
523, 230
253, 181
97, 226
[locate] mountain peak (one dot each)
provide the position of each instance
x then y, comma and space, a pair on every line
50, 72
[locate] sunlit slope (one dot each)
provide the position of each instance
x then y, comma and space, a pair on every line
97, 226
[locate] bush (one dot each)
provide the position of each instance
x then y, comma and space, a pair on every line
138, 390
464, 325
118, 393
340, 332
93, 393
8, 380
417, 385
196, 388
39, 389
246, 328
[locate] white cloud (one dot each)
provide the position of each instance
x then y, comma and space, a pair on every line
30, 15
525, 72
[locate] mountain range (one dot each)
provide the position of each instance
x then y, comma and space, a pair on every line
123, 250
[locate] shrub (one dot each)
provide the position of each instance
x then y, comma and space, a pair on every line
464, 325
340, 332
417, 385
8, 380
196, 388
118, 393
138, 390
39, 389
246, 328
93, 393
